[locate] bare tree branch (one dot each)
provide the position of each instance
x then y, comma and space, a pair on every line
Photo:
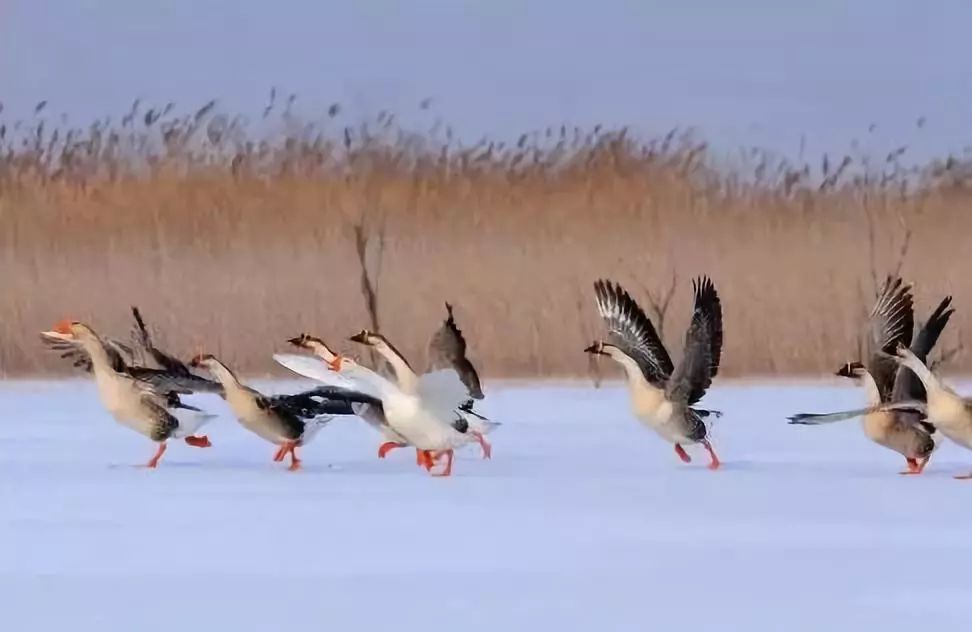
593, 365
659, 305
370, 276
871, 247
905, 246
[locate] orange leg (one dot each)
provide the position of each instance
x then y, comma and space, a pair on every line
199, 442
158, 455
280, 453
387, 447
424, 458
714, 462
913, 467
916, 466
484, 444
448, 468
682, 454
294, 461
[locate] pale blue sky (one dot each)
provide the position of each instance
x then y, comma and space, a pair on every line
757, 72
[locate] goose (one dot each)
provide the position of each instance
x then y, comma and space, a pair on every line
143, 399
446, 349
904, 430
422, 409
948, 411
288, 421
663, 396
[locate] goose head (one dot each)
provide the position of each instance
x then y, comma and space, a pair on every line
315, 345
368, 338
70, 330
204, 360
598, 348
852, 370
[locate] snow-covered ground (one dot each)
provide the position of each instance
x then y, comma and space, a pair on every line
582, 520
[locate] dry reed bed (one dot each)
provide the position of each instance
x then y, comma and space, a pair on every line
234, 246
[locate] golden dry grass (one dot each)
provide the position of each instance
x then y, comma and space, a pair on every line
236, 246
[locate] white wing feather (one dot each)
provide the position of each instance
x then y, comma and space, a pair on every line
352, 377
442, 392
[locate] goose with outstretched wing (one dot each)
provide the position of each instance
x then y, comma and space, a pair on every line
423, 410
664, 396
903, 429
287, 421
142, 401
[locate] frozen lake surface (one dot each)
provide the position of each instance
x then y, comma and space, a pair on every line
583, 520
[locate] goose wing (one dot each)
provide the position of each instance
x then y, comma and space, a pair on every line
913, 408
442, 393
703, 346
632, 332
906, 384
891, 323
120, 355
357, 378
447, 348
164, 382
150, 354
324, 400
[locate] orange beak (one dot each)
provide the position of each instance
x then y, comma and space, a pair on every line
63, 327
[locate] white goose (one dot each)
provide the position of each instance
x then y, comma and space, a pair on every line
142, 399
447, 349
663, 396
420, 409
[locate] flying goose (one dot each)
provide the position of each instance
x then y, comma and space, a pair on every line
904, 430
145, 400
661, 394
422, 409
949, 412
288, 421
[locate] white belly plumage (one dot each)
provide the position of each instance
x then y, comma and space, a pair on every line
419, 427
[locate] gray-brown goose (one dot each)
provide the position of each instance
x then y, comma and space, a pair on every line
904, 430
287, 421
144, 400
663, 397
